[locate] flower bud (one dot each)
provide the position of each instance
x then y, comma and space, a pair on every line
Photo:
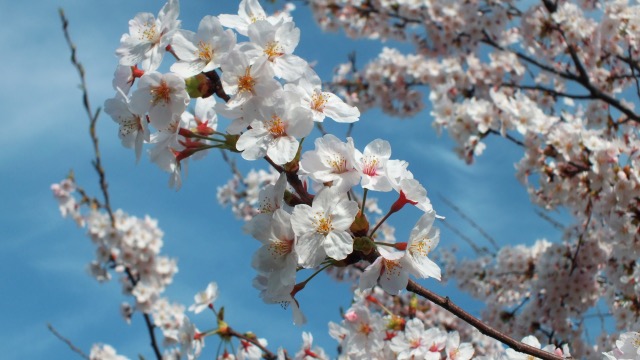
199, 86
360, 226
363, 244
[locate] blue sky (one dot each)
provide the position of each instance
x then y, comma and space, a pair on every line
45, 135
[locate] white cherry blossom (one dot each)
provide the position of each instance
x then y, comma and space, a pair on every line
322, 103
244, 80
163, 96
204, 298
148, 37
332, 162
322, 229
250, 11
202, 51
133, 131
276, 43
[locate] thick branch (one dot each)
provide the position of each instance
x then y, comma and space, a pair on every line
485, 329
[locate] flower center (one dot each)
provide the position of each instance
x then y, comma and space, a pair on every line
246, 82
273, 50
318, 100
370, 165
364, 328
130, 125
254, 18
149, 32
420, 247
338, 163
392, 268
161, 93
280, 247
415, 343
323, 224
205, 52
276, 127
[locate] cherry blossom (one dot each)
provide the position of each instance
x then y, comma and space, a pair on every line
322, 228
205, 298
163, 96
148, 37
276, 132
333, 162
201, 51
133, 129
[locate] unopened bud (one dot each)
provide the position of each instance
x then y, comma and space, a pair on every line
199, 86
360, 226
363, 244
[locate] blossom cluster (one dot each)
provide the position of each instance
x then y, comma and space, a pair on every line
131, 247
272, 97
559, 80
580, 152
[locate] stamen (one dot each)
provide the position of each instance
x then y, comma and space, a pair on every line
161, 93
205, 52
246, 82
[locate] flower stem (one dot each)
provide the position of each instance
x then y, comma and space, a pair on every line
379, 223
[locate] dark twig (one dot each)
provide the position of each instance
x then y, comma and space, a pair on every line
464, 237
93, 117
506, 136
268, 355
73, 348
485, 329
147, 320
473, 224
548, 91
556, 224
97, 163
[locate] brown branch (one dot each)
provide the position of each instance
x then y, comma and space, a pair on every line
584, 80
485, 329
548, 91
93, 117
268, 355
147, 320
506, 136
73, 348
97, 163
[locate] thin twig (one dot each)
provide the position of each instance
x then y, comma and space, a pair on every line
93, 117
464, 237
473, 224
97, 163
556, 224
147, 320
485, 329
73, 348
268, 355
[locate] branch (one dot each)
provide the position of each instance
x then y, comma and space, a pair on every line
97, 163
548, 91
73, 348
506, 136
473, 224
268, 355
93, 117
485, 329
147, 319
